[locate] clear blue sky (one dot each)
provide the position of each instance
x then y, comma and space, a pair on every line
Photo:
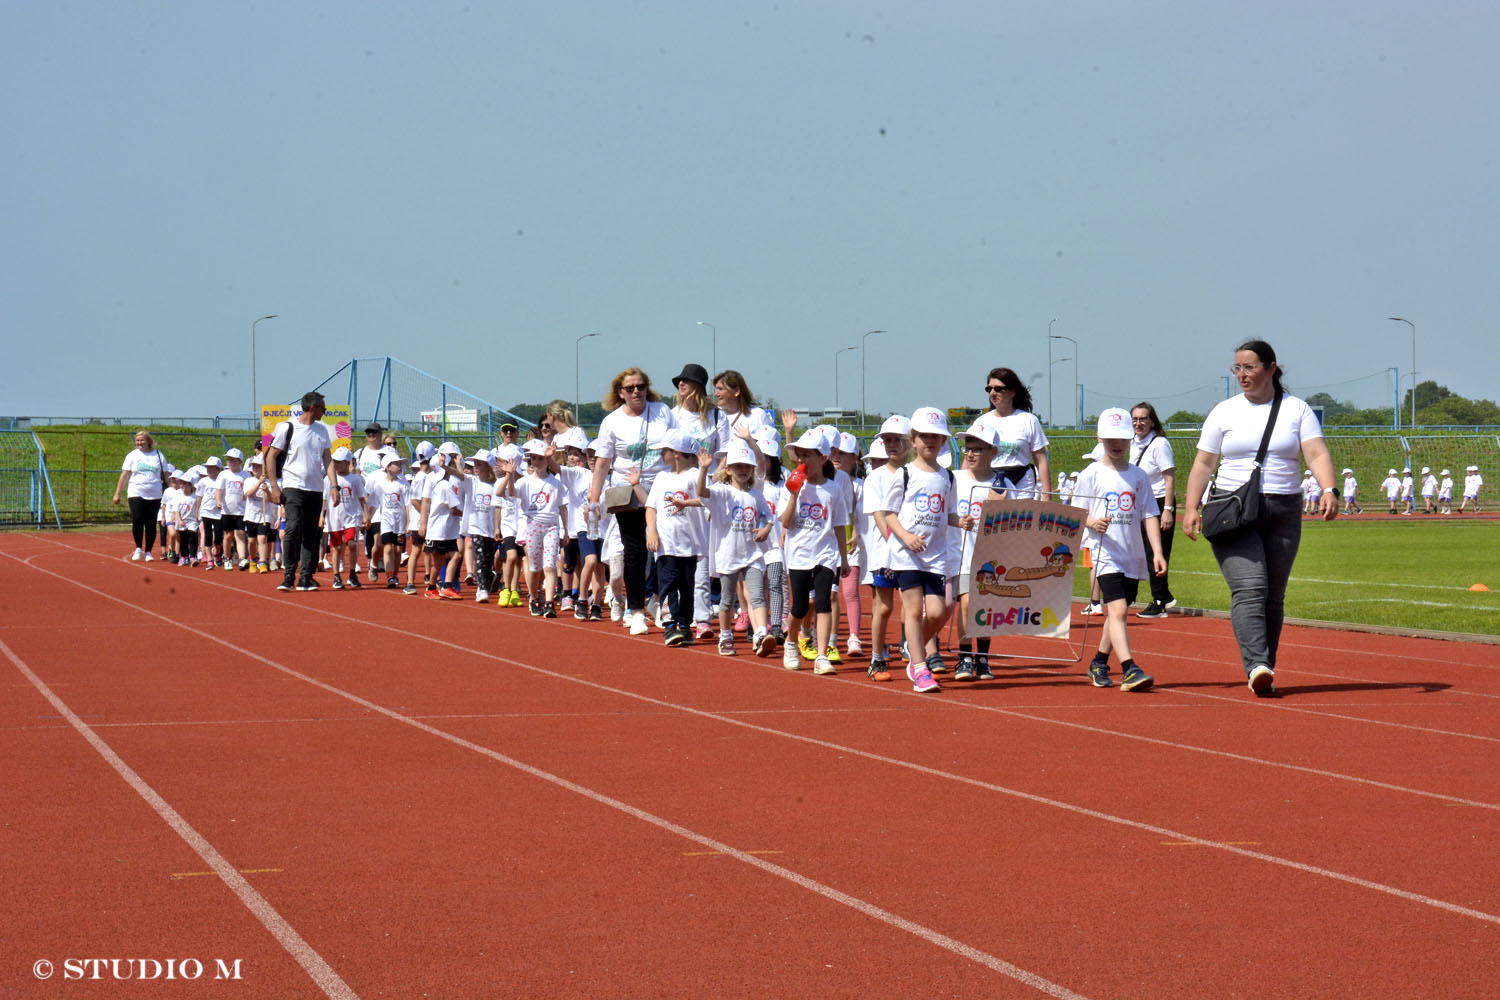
470, 186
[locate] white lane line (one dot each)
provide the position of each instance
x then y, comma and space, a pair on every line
861, 906
304, 954
796, 737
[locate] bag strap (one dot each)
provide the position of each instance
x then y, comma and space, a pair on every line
638, 450
1265, 439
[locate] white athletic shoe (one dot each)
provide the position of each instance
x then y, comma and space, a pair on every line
150, 557
136, 555
637, 621
822, 667
616, 609
855, 647
790, 658
481, 596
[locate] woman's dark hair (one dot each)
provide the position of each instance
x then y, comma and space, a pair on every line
1267, 355
774, 471
1022, 398
1156, 426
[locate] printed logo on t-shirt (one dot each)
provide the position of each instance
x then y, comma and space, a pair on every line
812, 512
673, 498
928, 503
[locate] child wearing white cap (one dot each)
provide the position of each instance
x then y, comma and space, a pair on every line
343, 515
916, 511
509, 528
1445, 493
1391, 484
1473, 481
975, 482
423, 474
182, 519
844, 454
740, 520
386, 514
229, 496
257, 494
773, 488
540, 497
676, 533
209, 512
895, 442
480, 516
1117, 498
442, 525
812, 511
1429, 490
1408, 490
1351, 487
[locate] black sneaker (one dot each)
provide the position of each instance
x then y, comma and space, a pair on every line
982, 664
306, 585
536, 607
284, 585
549, 609
1152, 610
1135, 679
965, 671
677, 636
354, 581
596, 612
1099, 675
337, 583
409, 590
580, 612
393, 584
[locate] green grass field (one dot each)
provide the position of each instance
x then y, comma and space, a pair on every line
1413, 573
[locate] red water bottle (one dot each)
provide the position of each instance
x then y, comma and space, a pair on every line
797, 478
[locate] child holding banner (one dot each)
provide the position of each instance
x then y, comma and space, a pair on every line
916, 513
1117, 497
974, 483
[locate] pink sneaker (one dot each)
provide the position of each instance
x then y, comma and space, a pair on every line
742, 621
921, 678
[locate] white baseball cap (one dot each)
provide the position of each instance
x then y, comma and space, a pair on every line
981, 431
536, 446
739, 453
812, 441
425, 450
896, 424
1445, 472
877, 450
1425, 470
573, 437
256, 460
214, 460
511, 452
768, 446
1114, 424
593, 445
388, 456
235, 453
1391, 472
482, 455
928, 420
342, 454
681, 442
449, 448
1348, 472
847, 442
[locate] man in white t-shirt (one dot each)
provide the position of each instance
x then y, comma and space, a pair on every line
301, 461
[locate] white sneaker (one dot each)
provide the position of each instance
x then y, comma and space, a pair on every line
823, 668
855, 647
638, 624
790, 658
136, 555
1092, 608
150, 557
616, 609
481, 596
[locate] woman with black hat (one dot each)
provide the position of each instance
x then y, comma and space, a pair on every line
701, 420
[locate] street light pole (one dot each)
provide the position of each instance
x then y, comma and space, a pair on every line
863, 416
254, 390
1049, 371
577, 415
1057, 336
1398, 319
853, 347
715, 359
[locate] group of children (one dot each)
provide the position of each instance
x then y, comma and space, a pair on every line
1437, 493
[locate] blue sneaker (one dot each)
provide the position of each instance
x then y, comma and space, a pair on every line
1099, 674
1135, 679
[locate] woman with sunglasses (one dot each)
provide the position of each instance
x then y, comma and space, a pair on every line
631, 437
1021, 455
1256, 560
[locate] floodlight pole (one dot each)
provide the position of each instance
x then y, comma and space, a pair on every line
853, 347
1398, 319
1049, 371
254, 390
577, 414
863, 416
1057, 336
715, 356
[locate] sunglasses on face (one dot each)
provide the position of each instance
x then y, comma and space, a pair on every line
639, 387
994, 388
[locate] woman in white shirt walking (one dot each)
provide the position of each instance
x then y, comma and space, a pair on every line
1151, 452
145, 470
1256, 560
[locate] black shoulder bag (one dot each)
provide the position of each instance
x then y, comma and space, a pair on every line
1228, 511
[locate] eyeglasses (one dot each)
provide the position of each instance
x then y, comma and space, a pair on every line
1140, 420
994, 388
974, 446
1236, 369
638, 387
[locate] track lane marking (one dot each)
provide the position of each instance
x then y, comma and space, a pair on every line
796, 737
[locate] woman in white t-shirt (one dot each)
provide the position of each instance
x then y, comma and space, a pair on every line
1151, 452
631, 437
145, 472
1257, 560
1021, 458
701, 420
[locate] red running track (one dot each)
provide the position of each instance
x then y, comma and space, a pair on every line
360, 794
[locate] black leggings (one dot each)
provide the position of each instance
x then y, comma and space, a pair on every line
213, 533
484, 561
187, 544
819, 582
632, 524
143, 514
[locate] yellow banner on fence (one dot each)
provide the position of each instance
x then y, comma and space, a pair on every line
1022, 581
336, 418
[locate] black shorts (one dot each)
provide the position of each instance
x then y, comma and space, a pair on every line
390, 538
508, 545
570, 556
232, 522
254, 529
1118, 587
416, 538
441, 546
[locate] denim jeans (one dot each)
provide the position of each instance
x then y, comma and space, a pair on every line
1257, 563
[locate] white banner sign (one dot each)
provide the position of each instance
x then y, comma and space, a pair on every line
1023, 569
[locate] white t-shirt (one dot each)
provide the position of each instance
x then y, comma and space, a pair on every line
302, 447
921, 502
1429, 484
1392, 487
1233, 431
1351, 486
620, 438
1406, 486
682, 532
875, 544
1445, 488
774, 493
388, 497
1153, 456
726, 426
479, 507
145, 474
445, 516
576, 480
185, 509
208, 503
969, 495
735, 515
1124, 497
233, 485
1021, 437
346, 509
704, 429
540, 500
367, 462
257, 499
1472, 482
812, 539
